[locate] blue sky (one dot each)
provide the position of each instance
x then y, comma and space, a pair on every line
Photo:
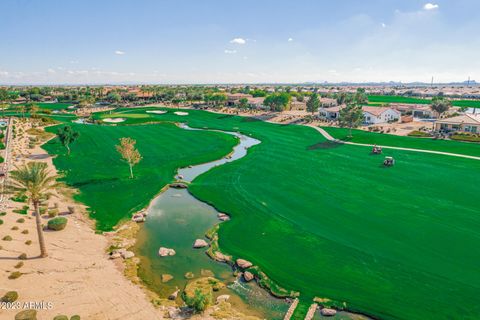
233, 41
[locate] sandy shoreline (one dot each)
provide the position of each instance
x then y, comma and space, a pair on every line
76, 277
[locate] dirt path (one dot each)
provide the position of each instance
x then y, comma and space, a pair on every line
330, 138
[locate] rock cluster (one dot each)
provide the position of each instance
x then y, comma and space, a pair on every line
248, 276
223, 217
165, 252
327, 312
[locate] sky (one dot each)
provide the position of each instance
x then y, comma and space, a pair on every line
238, 41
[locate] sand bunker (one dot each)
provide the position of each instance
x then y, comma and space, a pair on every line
157, 111
114, 120
180, 113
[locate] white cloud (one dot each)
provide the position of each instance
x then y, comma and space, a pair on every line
290, 39
50, 70
384, 25
430, 6
230, 51
238, 41
120, 53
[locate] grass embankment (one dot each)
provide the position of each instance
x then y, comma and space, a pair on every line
366, 137
44, 105
95, 168
377, 100
329, 220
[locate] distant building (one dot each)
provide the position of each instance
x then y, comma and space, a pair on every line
234, 98
416, 110
463, 123
331, 113
256, 102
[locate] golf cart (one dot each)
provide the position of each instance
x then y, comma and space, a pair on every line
388, 162
377, 150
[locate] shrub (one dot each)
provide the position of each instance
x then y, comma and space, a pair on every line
1, 159
7, 238
26, 315
15, 275
71, 210
3, 213
75, 317
19, 265
28, 242
1, 221
57, 224
23, 256
10, 296
21, 220
60, 317
25, 231
19, 198
24, 210
14, 228
52, 213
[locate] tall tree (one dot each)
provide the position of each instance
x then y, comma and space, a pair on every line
277, 101
36, 182
67, 136
351, 117
129, 153
243, 103
440, 105
313, 103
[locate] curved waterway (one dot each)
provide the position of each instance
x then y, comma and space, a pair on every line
175, 220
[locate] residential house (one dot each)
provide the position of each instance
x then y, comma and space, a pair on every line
234, 98
463, 123
256, 102
331, 113
376, 115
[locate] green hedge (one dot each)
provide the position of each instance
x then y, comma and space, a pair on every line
57, 224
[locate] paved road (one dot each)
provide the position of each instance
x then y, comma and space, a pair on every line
330, 138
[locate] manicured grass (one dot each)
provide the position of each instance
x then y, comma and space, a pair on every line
329, 220
49, 106
377, 100
360, 136
95, 168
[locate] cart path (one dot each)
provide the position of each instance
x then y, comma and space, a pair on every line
330, 138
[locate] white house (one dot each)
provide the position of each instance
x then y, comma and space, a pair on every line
331, 113
375, 115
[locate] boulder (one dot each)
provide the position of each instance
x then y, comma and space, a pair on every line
165, 252
244, 264
248, 276
166, 277
220, 257
223, 298
174, 295
128, 254
179, 185
200, 243
327, 312
223, 217
115, 255
138, 217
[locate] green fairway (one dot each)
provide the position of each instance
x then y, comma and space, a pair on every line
378, 100
95, 168
366, 137
321, 218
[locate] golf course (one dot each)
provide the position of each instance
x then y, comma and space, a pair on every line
325, 219
379, 99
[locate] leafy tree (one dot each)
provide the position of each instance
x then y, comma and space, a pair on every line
360, 97
35, 181
313, 103
129, 153
66, 135
114, 97
351, 117
277, 101
243, 103
440, 105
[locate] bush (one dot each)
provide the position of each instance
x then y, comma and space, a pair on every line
1, 159
23, 256
25, 231
15, 275
26, 315
57, 224
1, 221
24, 210
14, 228
60, 317
52, 213
3, 213
19, 265
7, 238
10, 296
71, 210
75, 317
28, 242
19, 198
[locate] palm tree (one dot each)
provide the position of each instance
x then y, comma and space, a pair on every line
36, 182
